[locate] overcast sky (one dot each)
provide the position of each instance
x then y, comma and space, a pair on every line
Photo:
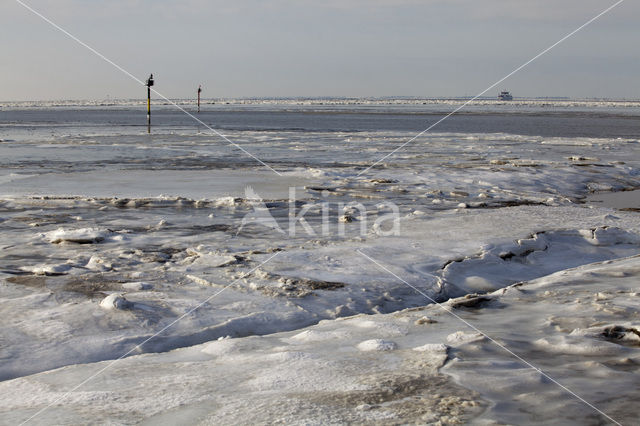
246, 48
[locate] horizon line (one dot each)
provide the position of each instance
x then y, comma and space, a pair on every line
330, 98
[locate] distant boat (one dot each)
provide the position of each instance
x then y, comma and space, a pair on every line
505, 96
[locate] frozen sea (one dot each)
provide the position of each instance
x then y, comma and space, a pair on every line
477, 275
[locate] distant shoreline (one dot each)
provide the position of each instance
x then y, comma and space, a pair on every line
400, 100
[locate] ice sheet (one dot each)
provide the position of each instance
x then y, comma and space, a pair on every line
383, 368
109, 235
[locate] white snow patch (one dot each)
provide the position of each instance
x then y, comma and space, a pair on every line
44, 269
460, 337
320, 336
115, 301
222, 347
81, 236
377, 345
288, 356
98, 264
572, 345
432, 347
226, 202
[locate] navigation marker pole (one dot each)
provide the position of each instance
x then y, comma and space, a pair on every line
149, 84
199, 91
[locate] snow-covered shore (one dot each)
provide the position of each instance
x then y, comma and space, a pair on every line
239, 295
55, 312
578, 326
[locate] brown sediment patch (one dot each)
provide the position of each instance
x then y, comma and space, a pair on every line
625, 364
380, 180
505, 203
293, 286
310, 284
626, 336
91, 287
33, 281
470, 301
403, 398
321, 188
44, 220
592, 165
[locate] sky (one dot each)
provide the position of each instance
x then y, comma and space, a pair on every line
290, 48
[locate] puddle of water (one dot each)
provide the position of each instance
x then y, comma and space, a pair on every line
627, 200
